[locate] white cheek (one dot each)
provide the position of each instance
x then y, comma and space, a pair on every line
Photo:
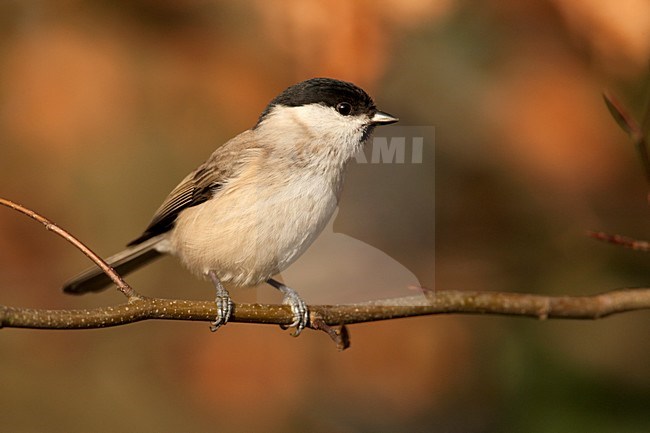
325, 120
312, 135
333, 135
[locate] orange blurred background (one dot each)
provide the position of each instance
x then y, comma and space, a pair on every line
105, 106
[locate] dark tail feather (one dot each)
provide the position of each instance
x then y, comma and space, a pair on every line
95, 280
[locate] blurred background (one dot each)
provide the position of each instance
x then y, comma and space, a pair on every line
105, 106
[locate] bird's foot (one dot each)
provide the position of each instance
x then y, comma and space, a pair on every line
298, 307
223, 301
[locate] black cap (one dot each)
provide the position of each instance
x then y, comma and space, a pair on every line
325, 91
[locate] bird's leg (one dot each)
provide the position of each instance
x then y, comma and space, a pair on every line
223, 301
298, 306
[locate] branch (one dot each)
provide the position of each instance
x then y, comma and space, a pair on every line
435, 302
322, 317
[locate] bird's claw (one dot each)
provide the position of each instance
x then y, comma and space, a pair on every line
224, 304
224, 310
298, 308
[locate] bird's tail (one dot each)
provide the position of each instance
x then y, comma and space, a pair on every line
95, 280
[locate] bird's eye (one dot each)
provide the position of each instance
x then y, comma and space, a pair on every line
344, 108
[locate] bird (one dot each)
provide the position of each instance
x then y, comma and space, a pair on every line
260, 199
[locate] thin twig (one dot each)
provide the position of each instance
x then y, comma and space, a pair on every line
624, 241
122, 285
638, 132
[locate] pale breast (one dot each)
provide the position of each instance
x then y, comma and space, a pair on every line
252, 230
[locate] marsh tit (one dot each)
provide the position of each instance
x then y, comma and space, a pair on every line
260, 199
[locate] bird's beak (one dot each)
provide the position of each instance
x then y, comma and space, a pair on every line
381, 118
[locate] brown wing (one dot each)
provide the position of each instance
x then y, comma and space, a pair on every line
202, 184
195, 189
